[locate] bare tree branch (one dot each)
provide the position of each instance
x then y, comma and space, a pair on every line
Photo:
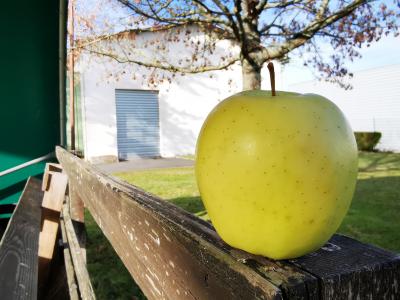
308, 32
262, 29
164, 66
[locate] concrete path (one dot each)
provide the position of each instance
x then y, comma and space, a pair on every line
145, 164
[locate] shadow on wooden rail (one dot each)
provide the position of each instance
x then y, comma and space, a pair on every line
172, 254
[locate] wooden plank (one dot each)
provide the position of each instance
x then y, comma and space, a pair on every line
51, 207
55, 193
49, 168
57, 284
348, 269
82, 275
69, 267
19, 246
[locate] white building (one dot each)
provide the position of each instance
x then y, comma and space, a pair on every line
372, 105
121, 117
124, 118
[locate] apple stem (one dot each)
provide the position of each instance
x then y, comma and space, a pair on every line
272, 77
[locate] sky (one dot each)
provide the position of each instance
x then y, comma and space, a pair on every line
382, 53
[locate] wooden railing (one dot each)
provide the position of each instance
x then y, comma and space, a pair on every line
172, 254
169, 252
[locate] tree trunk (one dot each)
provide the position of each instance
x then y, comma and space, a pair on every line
251, 75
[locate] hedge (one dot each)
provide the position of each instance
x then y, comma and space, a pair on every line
366, 141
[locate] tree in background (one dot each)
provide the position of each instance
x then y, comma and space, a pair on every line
258, 31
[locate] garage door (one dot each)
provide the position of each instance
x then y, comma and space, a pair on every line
138, 133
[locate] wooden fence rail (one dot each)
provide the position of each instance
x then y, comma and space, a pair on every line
172, 254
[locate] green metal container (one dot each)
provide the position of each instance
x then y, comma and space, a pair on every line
29, 89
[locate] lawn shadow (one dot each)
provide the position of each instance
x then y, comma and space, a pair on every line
193, 204
377, 159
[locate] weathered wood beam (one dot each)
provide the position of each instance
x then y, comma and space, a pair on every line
56, 286
50, 167
54, 186
168, 259
19, 246
169, 252
348, 269
77, 213
174, 255
76, 206
69, 267
84, 284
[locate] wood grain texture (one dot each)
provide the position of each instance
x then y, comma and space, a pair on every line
53, 199
174, 255
76, 206
80, 231
19, 246
169, 252
56, 287
348, 269
55, 192
69, 267
83, 280
77, 213
50, 167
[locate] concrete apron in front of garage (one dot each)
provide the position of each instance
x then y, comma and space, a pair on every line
145, 164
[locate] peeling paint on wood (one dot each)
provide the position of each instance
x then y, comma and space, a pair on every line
175, 255
187, 256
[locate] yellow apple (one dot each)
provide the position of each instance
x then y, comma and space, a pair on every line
276, 173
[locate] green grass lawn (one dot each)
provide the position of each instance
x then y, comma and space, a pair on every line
373, 216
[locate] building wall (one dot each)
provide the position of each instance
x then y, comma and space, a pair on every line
372, 105
184, 103
29, 112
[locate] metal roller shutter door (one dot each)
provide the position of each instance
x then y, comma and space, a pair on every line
138, 133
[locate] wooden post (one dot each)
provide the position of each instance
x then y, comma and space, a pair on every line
77, 214
71, 74
77, 207
63, 11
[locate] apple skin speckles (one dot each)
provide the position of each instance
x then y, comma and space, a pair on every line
283, 167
